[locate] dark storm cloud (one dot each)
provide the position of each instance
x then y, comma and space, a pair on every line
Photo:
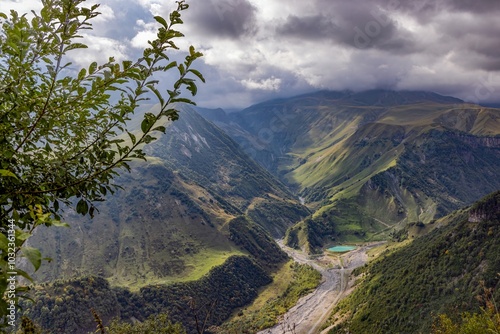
475, 6
441, 45
223, 18
474, 39
351, 24
421, 10
310, 27
259, 49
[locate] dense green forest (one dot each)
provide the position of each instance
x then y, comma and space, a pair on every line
443, 272
64, 306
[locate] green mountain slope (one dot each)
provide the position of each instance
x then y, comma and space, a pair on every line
64, 306
442, 272
197, 203
371, 162
170, 222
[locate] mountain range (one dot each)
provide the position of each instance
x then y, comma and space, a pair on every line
315, 169
371, 162
171, 221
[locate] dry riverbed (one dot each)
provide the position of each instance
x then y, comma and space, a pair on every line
312, 310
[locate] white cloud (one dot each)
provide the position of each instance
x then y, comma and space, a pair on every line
99, 50
265, 84
21, 6
147, 32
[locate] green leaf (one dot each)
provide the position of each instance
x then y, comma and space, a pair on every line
170, 65
170, 113
82, 74
160, 128
58, 223
23, 274
4, 172
93, 67
162, 21
75, 46
4, 242
144, 125
126, 64
191, 86
158, 95
148, 139
181, 69
22, 236
132, 137
82, 207
148, 122
33, 255
198, 74
184, 100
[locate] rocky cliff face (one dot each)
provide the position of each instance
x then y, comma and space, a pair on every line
487, 209
476, 141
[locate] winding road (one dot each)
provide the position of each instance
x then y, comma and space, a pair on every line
312, 310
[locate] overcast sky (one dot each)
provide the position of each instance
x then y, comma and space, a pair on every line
260, 49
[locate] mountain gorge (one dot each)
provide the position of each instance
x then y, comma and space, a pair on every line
196, 214
196, 222
371, 162
173, 215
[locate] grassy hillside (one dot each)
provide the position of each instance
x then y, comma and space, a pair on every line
442, 272
370, 163
151, 232
64, 305
289, 284
169, 223
198, 203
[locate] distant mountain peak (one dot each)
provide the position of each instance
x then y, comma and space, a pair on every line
377, 97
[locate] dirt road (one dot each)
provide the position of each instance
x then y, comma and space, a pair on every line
312, 310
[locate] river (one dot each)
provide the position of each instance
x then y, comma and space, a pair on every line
311, 311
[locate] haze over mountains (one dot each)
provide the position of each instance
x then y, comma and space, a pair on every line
318, 168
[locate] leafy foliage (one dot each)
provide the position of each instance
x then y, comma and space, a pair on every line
155, 324
475, 323
486, 321
59, 127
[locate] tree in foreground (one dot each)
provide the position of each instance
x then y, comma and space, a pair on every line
62, 130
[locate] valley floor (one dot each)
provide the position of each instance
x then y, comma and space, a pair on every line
312, 310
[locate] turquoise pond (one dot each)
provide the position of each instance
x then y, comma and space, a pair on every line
341, 249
